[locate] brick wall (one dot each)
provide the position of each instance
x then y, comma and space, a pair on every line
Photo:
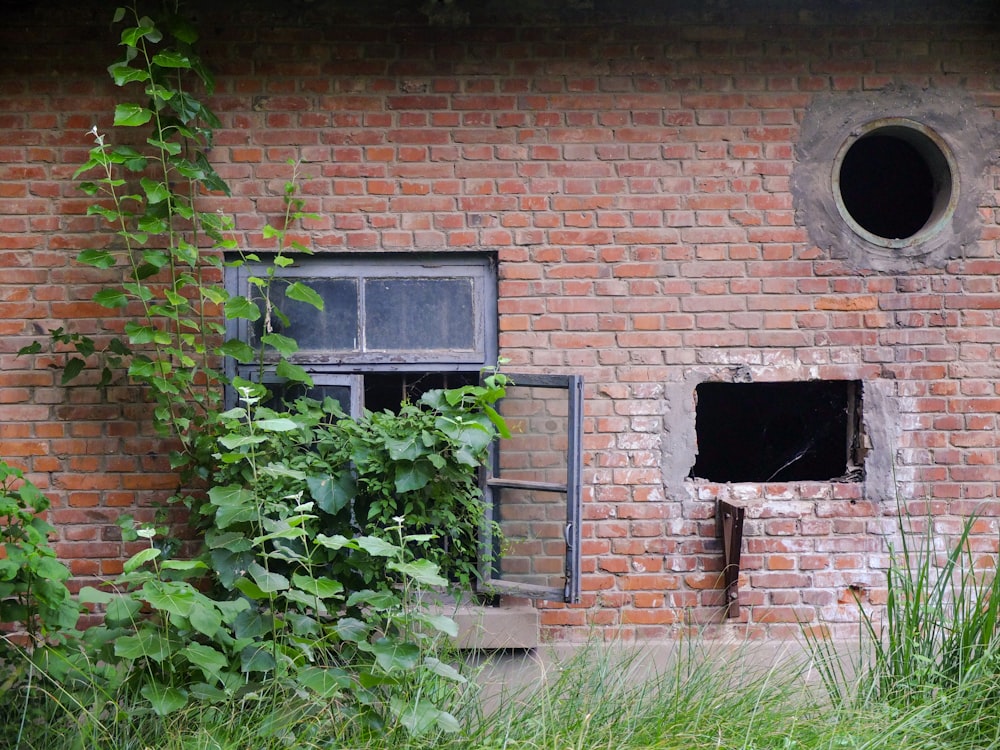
632, 168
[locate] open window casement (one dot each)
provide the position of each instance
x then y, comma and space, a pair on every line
531, 541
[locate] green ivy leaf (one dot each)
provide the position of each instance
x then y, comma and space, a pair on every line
96, 258
204, 617
377, 547
238, 350
111, 298
294, 373
205, 658
332, 493
413, 476
241, 308
256, 659
123, 73
131, 115
303, 293
156, 192
352, 630
74, 366
284, 345
171, 59
140, 558
279, 424
326, 682
147, 643
174, 597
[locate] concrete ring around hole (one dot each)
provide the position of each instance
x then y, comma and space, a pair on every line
895, 182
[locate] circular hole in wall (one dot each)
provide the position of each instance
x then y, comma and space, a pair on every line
895, 182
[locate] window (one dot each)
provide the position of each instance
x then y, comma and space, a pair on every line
779, 432
533, 489
392, 327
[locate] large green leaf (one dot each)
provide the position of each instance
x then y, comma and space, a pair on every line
123, 73
421, 571
377, 547
326, 682
147, 643
163, 698
256, 658
322, 586
204, 617
422, 716
268, 581
292, 372
140, 558
97, 258
173, 597
278, 424
410, 476
242, 308
392, 655
171, 59
205, 658
303, 293
284, 345
156, 191
131, 115
111, 298
332, 493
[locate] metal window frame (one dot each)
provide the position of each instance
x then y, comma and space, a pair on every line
572, 488
352, 381
479, 268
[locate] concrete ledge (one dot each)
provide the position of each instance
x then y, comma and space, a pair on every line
481, 627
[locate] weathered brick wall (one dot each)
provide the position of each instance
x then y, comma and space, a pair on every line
633, 174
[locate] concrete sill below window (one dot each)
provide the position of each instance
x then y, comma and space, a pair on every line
482, 627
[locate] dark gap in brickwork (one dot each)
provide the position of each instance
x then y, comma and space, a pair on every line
777, 432
887, 186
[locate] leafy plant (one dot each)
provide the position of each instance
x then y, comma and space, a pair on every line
170, 252
33, 594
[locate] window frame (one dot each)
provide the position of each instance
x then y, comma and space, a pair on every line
572, 489
480, 269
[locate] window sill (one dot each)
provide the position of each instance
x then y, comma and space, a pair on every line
490, 628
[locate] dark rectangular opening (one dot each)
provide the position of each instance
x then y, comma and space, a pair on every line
778, 432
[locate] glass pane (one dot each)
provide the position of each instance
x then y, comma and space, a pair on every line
333, 328
539, 425
532, 546
417, 314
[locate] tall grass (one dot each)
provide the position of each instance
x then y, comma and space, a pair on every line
928, 677
933, 653
601, 698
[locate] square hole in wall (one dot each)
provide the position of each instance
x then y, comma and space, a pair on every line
779, 432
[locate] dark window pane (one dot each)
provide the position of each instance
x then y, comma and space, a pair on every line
335, 327
387, 390
417, 314
284, 394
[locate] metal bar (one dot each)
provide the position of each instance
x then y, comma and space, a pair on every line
526, 484
729, 524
